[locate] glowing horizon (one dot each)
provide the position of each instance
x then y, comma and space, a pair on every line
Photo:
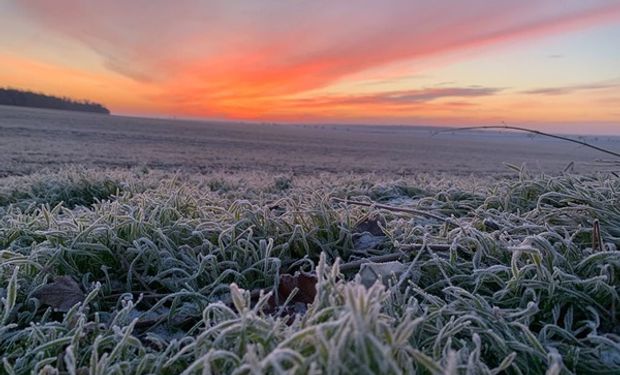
535, 62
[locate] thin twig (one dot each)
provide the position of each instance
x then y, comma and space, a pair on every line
434, 247
392, 208
353, 265
508, 127
350, 266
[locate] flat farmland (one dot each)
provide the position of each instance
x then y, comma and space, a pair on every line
32, 139
141, 246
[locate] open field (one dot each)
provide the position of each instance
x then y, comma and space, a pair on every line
193, 248
387, 187
31, 139
507, 275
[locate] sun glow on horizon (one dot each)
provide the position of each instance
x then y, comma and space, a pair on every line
394, 62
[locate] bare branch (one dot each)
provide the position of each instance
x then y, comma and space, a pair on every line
392, 208
508, 127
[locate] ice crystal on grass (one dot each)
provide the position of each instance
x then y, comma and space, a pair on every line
521, 277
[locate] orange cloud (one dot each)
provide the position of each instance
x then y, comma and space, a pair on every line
271, 59
253, 82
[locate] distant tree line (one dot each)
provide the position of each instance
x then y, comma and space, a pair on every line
23, 98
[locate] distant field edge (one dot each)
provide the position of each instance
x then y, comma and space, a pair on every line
20, 98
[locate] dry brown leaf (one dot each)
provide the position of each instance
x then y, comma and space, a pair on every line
298, 304
61, 295
305, 282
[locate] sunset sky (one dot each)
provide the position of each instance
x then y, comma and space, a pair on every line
549, 64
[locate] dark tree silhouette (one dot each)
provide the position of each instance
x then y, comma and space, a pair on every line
21, 98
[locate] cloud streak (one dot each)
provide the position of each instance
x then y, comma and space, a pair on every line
400, 98
277, 58
566, 90
275, 46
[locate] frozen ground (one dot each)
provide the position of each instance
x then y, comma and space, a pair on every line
31, 139
160, 272
152, 259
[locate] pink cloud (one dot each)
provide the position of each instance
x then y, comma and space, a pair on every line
223, 56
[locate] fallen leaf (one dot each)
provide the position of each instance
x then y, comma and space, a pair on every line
370, 225
371, 272
597, 239
60, 295
305, 282
491, 224
298, 304
366, 241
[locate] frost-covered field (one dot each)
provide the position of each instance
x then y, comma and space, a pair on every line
161, 272
31, 139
